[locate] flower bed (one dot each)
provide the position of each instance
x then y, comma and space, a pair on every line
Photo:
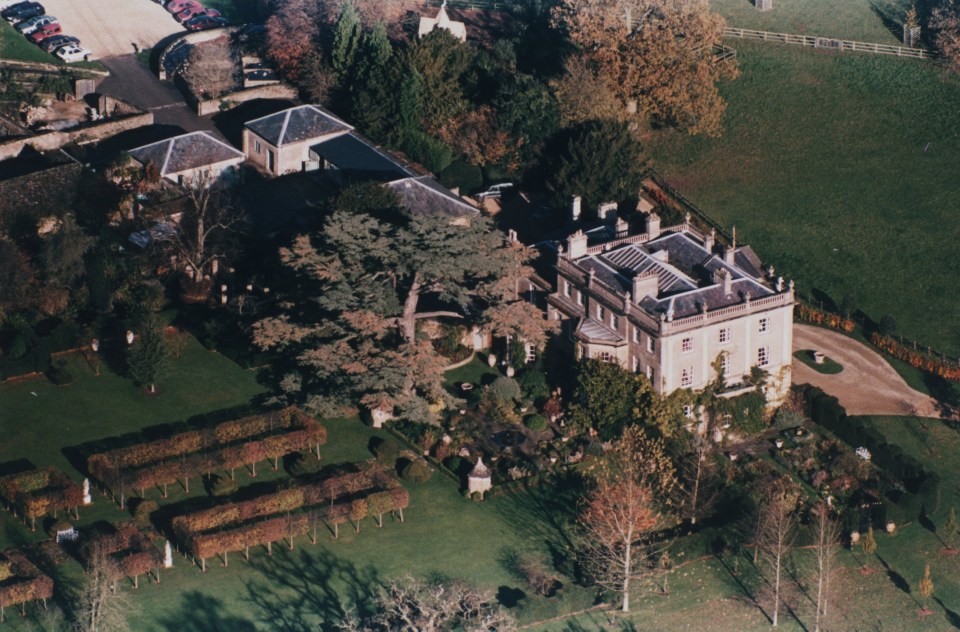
35, 492
22, 581
290, 512
232, 444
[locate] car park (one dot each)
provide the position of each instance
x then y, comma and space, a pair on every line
29, 26
72, 53
23, 11
58, 41
45, 31
204, 22
176, 6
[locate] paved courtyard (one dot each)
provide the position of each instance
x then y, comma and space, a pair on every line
112, 27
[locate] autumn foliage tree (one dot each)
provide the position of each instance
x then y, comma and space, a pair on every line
944, 22
657, 55
292, 32
622, 511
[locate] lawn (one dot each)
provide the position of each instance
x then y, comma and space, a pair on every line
876, 21
840, 170
828, 367
15, 46
303, 589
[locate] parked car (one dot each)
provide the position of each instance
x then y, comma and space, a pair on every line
176, 6
6, 4
45, 31
29, 26
58, 41
495, 191
72, 53
204, 22
192, 12
23, 11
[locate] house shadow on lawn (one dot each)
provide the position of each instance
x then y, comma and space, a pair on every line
301, 592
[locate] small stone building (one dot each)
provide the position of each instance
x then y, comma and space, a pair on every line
283, 142
184, 159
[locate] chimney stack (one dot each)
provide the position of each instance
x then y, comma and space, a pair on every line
575, 203
645, 284
653, 225
576, 244
607, 212
622, 228
722, 275
710, 240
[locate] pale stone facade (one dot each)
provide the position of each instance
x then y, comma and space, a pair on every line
281, 143
671, 305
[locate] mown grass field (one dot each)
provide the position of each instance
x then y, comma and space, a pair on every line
875, 21
839, 169
15, 46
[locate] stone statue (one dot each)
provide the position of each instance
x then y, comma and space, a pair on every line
167, 555
87, 500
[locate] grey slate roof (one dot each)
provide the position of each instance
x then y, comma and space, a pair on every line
353, 154
426, 196
685, 282
185, 152
304, 122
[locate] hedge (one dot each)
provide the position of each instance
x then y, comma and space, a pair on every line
947, 370
134, 553
226, 446
35, 492
22, 580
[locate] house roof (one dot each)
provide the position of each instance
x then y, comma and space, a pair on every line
186, 152
352, 153
596, 331
295, 125
685, 274
426, 196
442, 21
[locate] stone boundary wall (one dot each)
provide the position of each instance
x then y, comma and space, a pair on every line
190, 38
91, 132
272, 91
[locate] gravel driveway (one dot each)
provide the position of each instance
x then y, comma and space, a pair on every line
112, 27
867, 385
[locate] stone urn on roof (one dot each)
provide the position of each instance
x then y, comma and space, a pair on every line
480, 479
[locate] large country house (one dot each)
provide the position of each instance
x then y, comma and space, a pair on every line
674, 305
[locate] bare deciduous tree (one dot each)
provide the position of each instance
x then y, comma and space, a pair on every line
777, 531
699, 478
101, 606
213, 69
826, 540
206, 225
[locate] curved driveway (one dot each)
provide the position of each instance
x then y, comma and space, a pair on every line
867, 385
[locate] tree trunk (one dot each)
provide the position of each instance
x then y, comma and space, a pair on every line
232, 477
270, 548
380, 519
253, 470
226, 562
694, 495
164, 490
776, 590
136, 582
203, 565
336, 531
276, 463
246, 553
626, 577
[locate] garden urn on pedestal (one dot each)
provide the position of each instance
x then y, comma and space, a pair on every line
492, 360
86, 492
480, 478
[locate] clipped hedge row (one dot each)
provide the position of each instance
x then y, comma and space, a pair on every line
817, 316
129, 547
24, 581
949, 371
225, 446
922, 486
35, 492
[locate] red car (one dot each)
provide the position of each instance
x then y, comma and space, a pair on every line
195, 11
45, 31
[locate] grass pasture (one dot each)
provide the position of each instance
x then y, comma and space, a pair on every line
840, 170
876, 21
15, 46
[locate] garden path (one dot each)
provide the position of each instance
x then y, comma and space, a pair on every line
867, 385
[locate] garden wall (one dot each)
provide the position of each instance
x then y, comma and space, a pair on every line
85, 133
273, 91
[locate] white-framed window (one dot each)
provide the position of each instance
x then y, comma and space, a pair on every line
686, 377
614, 322
763, 356
724, 336
725, 363
603, 356
579, 298
650, 344
636, 335
688, 411
601, 313
763, 325
567, 289
687, 344
636, 364
256, 146
650, 373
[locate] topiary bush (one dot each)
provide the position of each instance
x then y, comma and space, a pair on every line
535, 422
534, 385
504, 389
223, 486
416, 472
305, 464
387, 452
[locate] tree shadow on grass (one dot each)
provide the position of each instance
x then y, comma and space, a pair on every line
952, 616
202, 613
898, 580
303, 592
